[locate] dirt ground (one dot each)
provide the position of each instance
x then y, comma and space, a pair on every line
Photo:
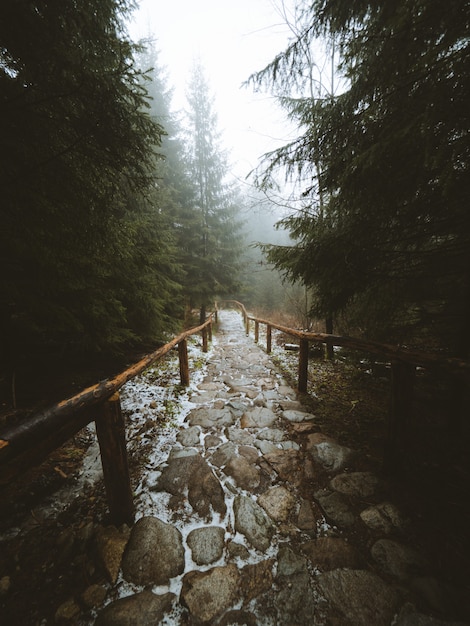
43, 567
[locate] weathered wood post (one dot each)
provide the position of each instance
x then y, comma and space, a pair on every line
303, 365
401, 401
183, 362
209, 331
204, 339
247, 325
268, 338
111, 432
329, 349
256, 331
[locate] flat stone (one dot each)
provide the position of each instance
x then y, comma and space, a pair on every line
210, 386
252, 521
208, 594
329, 454
245, 474
290, 563
308, 516
212, 441
358, 484
154, 553
237, 408
211, 418
289, 445
141, 609
290, 405
357, 598
278, 502
397, 559
193, 476
189, 436
384, 517
223, 454
271, 434
256, 579
179, 453
250, 453
329, 553
266, 447
295, 599
206, 544
287, 464
336, 508
258, 417
297, 416
303, 428
237, 550
238, 435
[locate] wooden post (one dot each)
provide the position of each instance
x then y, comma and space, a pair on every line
268, 338
401, 400
256, 331
329, 349
183, 361
110, 429
216, 316
204, 339
303, 365
247, 325
209, 330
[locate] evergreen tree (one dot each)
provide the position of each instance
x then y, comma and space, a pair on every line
79, 245
393, 248
209, 240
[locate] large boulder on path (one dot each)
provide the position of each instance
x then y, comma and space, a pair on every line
258, 417
211, 418
208, 594
357, 484
252, 521
357, 598
154, 554
206, 544
287, 464
191, 476
246, 475
278, 503
327, 452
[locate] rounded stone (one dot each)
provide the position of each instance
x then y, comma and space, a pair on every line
206, 544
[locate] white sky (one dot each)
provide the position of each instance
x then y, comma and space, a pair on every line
232, 38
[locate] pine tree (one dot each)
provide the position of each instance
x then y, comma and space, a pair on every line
210, 239
393, 250
78, 155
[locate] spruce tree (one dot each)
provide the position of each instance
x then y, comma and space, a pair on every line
77, 162
393, 249
210, 239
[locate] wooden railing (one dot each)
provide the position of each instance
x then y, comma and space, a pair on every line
28, 442
403, 370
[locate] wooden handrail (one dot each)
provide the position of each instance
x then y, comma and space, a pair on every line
28, 442
456, 366
48, 419
403, 367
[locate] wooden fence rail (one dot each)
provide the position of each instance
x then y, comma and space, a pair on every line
403, 369
29, 441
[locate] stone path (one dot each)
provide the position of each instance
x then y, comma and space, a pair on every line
268, 521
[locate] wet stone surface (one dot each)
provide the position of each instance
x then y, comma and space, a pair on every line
249, 515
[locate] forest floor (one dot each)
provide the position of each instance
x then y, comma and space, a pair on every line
350, 402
